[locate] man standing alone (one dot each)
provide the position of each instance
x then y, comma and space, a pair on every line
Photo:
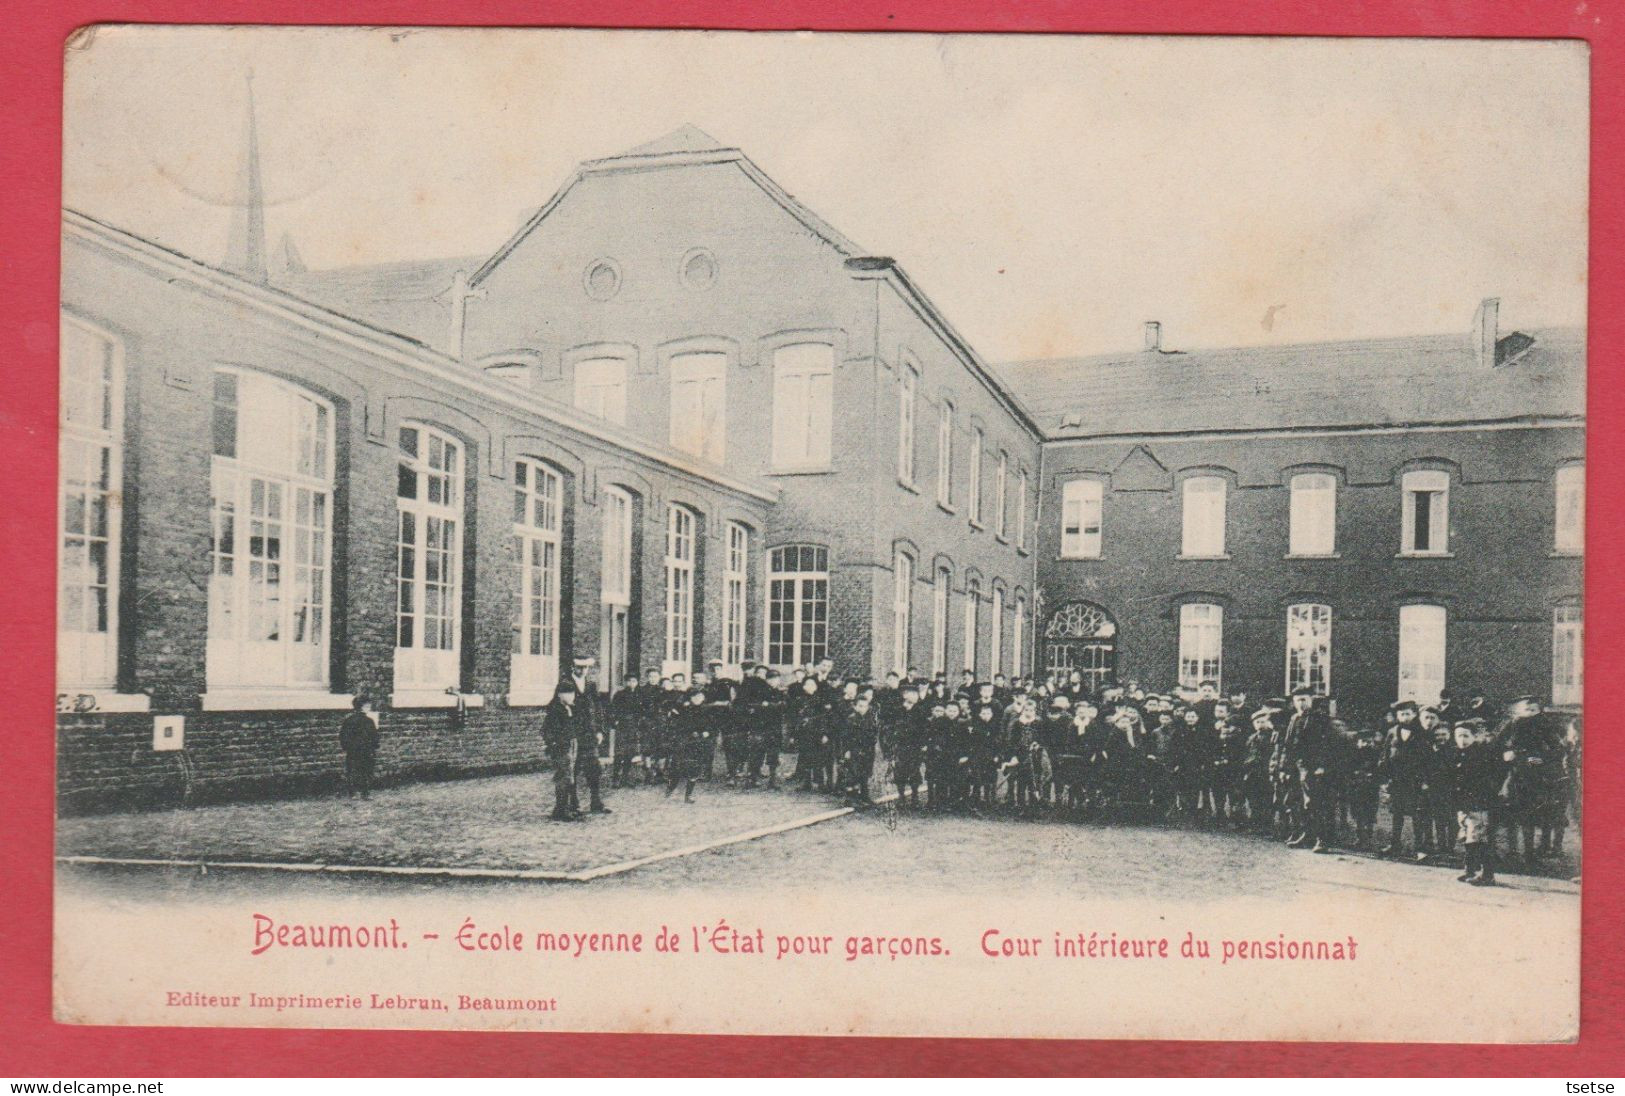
561, 729
358, 738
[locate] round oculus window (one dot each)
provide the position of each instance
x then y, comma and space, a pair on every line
602, 279
699, 268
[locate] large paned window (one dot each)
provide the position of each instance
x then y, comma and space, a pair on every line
977, 444
1425, 520
734, 580
803, 405
1021, 510
699, 409
1000, 496
1571, 510
538, 505
1018, 637
1421, 652
945, 453
1313, 518
618, 577
907, 395
797, 605
682, 543
902, 609
973, 598
996, 641
429, 561
601, 388
1201, 643
1080, 518
90, 449
939, 620
1203, 533
1309, 648
1568, 655
271, 481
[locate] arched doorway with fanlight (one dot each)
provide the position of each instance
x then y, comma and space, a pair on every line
1081, 636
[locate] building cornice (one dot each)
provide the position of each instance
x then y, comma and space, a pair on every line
1521, 422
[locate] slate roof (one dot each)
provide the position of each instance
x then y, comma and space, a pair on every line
1369, 382
408, 298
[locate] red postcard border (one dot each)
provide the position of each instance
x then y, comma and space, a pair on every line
31, 1045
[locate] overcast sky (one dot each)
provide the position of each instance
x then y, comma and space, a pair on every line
1050, 193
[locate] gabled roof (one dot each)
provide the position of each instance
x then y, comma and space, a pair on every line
1413, 380
686, 146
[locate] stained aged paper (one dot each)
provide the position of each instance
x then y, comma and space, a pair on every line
526, 567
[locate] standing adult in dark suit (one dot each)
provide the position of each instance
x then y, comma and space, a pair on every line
1308, 745
358, 738
561, 734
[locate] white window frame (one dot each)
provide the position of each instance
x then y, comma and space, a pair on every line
902, 608
1204, 501
1309, 648
271, 520
945, 453
806, 599
1201, 643
908, 384
1312, 515
1568, 655
941, 598
735, 578
1021, 510
1569, 524
424, 673
1001, 495
978, 442
1083, 503
973, 595
1018, 637
615, 549
699, 403
682, 552
87, 647
996, 638
533, 657
1424, 650
1432, 482
803, 406
600, 388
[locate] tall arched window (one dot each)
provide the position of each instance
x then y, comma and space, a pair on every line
973, 597
619, 576
996, 640
682, 541
734, 580
90, 447
1018, 637
1422, 647
803, 405
902, 608
538, 515
1309, 648
797, 604
939, 620
429, 562
1312, 517
271, 486
1201, 643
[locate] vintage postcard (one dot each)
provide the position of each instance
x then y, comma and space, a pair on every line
525, 565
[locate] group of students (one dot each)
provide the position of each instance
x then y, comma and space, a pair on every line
1287, 766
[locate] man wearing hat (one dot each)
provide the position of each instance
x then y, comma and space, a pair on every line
1255, 768
590, 732
1404, 768
1308, 748
758, 725
1532, 747
561, 732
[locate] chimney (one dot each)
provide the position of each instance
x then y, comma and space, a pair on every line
1486, 328
1153, 335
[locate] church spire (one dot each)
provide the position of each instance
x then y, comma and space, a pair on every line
245, 248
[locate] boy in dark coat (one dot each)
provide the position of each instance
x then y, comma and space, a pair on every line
358, 738
1475, 777
692, 744
562, 723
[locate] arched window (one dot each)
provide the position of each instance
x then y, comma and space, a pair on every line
682, 548
1203, 516
619, 577
538, 515
1313, 515
1571, 509
1421, 652
699, 409
271, 487
1081, 636
973, 597
803, 405
429, 562
1018, 637
902, 608
1568, 655
940, 595
735, 576
600, 388
1309, 648
996, 642
91, 450
797, 604
945, 453
1201, 643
